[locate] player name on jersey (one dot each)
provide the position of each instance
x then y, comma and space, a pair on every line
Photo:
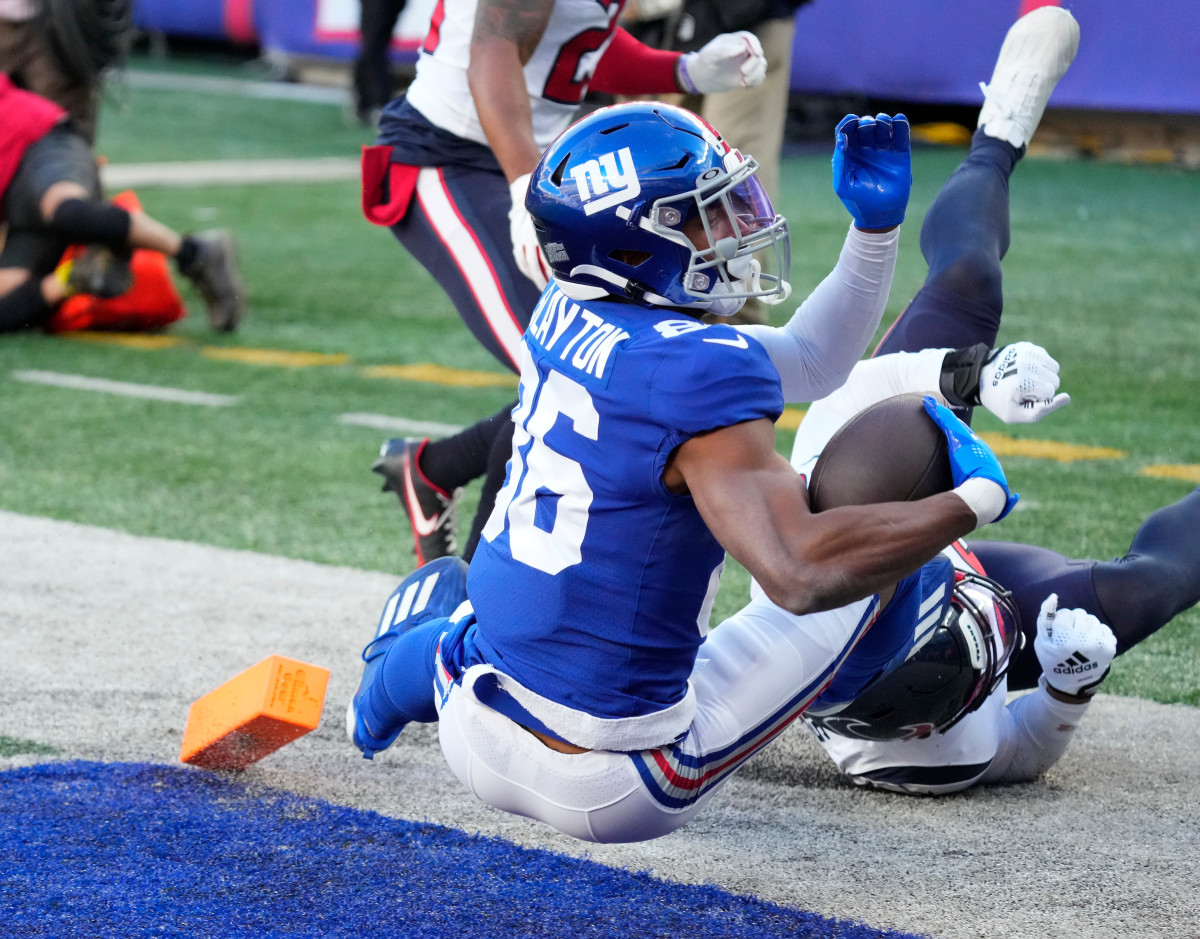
574, 334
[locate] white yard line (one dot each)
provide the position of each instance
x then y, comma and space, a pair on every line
401, 424
128, 389
229, 172
242, 87
180, 396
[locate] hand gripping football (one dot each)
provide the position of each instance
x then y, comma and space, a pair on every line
889, 452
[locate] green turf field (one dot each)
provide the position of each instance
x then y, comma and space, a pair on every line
1102, 271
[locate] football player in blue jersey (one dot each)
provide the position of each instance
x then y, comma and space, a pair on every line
496, 82
576, 685
919, 705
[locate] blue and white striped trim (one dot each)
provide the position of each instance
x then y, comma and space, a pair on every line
676, 778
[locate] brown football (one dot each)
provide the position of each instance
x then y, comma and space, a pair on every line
890, 452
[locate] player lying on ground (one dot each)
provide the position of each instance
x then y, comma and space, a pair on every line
51, 199
919, 705
934, 719
644, 449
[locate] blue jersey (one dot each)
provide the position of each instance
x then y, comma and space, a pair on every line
592, 583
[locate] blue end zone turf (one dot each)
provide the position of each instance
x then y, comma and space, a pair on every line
98, 850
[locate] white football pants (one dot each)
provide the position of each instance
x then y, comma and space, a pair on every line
755, 674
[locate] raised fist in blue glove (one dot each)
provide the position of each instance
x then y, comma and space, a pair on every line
872, 168
972, 459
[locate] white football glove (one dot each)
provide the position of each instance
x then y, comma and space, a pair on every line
1018, 384
728, 62
1074, 648
526, 250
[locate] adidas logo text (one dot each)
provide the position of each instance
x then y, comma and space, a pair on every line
1075, 664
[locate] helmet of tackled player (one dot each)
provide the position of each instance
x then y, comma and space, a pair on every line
948, 673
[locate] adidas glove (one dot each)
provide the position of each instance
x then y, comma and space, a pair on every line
872, 168
526, 250
726, 63
1074, 649
1018, 384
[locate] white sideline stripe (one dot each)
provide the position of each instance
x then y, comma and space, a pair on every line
402, 424
472, 263
130, 390
239, 87
229, 172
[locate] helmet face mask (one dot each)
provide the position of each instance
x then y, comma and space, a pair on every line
943, 679
645, 202
731, 219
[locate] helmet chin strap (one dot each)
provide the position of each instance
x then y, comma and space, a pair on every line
620, 286
746, 274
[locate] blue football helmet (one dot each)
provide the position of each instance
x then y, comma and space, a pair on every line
950, 672
622, 197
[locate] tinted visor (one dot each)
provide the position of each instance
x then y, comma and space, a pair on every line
742, 210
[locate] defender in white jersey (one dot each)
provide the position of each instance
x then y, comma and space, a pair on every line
919, 706
576, 682
496, 82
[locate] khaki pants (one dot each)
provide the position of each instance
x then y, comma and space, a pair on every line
753, 119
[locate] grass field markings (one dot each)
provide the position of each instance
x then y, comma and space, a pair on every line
430, 373
426, 372
281, 358
1003, 445
127, 389
441, 375
401, 424
148, 341
1188, 472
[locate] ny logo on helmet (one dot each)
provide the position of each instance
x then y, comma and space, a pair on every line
612, 173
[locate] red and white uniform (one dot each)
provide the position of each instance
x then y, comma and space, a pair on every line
556, 76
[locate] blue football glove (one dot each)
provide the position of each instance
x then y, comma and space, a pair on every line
970, 457
872, 168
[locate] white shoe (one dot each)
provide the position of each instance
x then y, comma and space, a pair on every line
1037, 51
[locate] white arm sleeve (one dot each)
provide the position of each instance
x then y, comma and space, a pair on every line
830, 330
1035, 731
870, 381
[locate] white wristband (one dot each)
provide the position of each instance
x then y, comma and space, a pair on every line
984, 497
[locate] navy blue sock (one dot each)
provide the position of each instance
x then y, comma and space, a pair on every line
454, 461
1158, 578
964, 237
966, 232
497, 469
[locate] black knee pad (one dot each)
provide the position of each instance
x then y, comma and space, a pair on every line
92, 223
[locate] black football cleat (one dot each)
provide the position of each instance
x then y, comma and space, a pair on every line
432, 512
